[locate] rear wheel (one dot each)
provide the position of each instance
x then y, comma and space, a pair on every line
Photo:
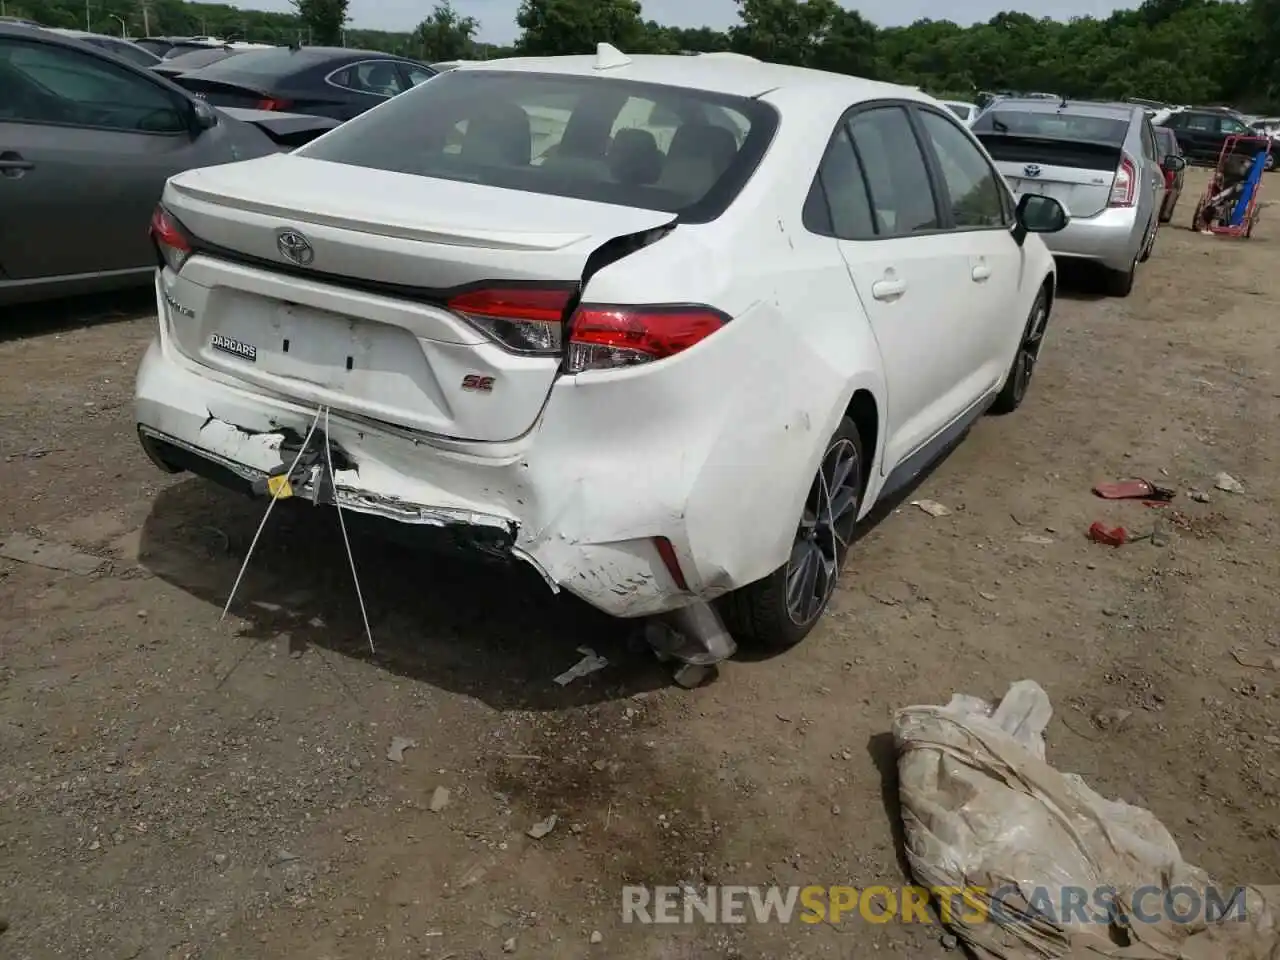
778, 611
1196, 223
1119, 283
1151, 243
1015, 386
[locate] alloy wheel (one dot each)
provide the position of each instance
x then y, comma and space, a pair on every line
825, 531
1029, 349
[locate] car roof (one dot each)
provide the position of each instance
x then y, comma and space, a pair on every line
83, 34
725, 73
64, 38
1090, 108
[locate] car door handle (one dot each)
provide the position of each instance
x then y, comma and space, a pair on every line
888, 289
981, 273
11, 161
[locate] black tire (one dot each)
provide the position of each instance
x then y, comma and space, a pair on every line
1018, 378
1119, 283
1196, 225
1151, 244
769, 614
1166, 216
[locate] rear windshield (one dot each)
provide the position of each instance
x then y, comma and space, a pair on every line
200, 58
260, 65
128, 51
1053, 126
592, 138
1167, 141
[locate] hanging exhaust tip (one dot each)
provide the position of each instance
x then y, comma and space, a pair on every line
695, 636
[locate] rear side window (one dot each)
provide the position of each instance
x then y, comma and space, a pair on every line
873, 182
838, 203
591, 138
379, 77
1055, 126
897, 178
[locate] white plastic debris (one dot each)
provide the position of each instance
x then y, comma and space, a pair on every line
983, 810
589, 663
543, 827
932, 507
1225, 481
395, 752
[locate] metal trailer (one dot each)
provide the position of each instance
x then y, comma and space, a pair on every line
1229, 206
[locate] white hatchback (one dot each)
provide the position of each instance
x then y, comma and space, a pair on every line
664, 328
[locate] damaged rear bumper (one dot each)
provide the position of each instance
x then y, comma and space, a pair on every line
489, 505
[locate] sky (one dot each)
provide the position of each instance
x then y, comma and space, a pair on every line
497, 17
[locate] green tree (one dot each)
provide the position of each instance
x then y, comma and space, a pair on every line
784, 31
554, 27
446, 35
323, 19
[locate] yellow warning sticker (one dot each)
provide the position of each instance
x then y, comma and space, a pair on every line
279, 487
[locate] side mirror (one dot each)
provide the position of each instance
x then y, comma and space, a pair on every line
1040, 214
1173, 163
203, 117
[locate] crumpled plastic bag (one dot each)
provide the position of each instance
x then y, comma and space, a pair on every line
982, 808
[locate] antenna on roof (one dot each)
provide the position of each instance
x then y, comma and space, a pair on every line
608, 57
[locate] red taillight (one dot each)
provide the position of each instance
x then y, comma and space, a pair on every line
524, 319
273, 103
1124, 185
1168, 179
669, 560
601, 337
170, 239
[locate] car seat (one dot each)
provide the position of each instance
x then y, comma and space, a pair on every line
634, 157
499, 134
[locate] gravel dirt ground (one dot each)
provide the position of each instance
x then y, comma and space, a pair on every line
176, 786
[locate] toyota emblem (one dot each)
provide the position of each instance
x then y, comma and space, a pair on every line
295, 248
1032, 169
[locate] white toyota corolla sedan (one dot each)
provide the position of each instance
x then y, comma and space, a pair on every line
663, 327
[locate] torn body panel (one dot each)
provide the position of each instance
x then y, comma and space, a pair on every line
583, 495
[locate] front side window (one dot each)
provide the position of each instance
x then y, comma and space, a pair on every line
972, 183
42, 83
592, 138
1233, 126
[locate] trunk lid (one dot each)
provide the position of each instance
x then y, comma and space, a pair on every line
1078, 174
221, 94
363, 326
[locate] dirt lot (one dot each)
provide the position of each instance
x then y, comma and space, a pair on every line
176, 786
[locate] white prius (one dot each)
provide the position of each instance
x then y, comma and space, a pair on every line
663, 327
